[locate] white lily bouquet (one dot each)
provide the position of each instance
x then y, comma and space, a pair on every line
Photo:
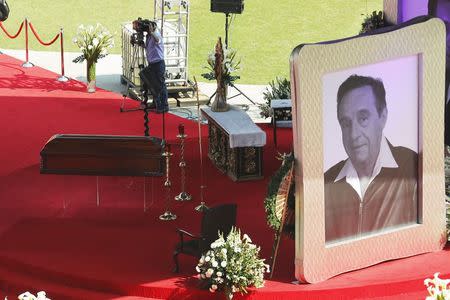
438, 289
232, 265
94, 42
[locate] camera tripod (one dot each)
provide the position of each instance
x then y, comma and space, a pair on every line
138, 53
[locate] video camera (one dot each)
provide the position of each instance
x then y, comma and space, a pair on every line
140, 26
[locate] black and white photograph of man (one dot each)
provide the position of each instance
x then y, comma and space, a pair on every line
374, 187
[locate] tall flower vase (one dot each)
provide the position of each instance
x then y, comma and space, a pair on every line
220, 101
90, 77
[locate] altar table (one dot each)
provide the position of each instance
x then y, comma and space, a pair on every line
235, 143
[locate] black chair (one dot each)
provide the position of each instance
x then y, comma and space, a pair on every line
219, 218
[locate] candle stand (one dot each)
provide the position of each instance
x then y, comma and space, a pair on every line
183, 195
167, 215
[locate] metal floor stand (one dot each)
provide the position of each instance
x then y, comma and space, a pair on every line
228, 98
136, 49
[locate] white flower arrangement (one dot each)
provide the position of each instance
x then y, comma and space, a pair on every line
93, 41
228, 64
438, 289
29, 296
232, 264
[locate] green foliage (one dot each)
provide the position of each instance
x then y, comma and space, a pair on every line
232, 265
272, 190
373, 21
280, 88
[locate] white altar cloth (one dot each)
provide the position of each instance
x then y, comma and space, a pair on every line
241, 130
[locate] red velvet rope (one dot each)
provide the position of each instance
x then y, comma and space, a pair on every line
9, 35
39, 39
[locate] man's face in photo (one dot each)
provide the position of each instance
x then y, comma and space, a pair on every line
361, 125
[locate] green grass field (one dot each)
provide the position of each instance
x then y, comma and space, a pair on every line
264, 34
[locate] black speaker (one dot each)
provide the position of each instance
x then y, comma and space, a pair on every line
227, 6
4, 10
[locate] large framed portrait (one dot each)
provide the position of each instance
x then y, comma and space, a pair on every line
368, 126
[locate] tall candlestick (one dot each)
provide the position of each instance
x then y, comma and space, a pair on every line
183, 195
167, 215
202, 206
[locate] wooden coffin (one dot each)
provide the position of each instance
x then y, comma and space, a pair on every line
102, 155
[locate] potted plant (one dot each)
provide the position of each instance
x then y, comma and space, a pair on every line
94, 43
373, 21
232, 265
279, 89
221, 65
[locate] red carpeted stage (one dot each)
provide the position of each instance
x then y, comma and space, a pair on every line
116, 250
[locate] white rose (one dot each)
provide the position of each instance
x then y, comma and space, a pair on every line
224, 250
223, 264
42, 296
26, 296
198, 269
90, 47
207, 258
215, 264
95, 41
219, 274
209, 273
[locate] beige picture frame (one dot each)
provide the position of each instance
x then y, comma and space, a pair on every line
315, 260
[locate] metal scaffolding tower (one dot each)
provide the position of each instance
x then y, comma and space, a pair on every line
172, 17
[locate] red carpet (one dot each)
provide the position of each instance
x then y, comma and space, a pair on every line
116, 251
